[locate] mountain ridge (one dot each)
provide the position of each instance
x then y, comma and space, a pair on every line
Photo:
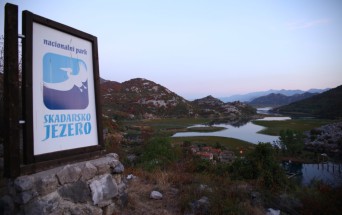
278, 99
325, 105
253, 95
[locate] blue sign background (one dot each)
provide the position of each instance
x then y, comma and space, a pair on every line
65, 82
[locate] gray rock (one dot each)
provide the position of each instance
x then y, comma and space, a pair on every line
46, 205
46, 184
271, 211
156, 195
130, 177
113, 155
119, 169
69, 174
25, 196
103, 169
77, 192
88, 171
103, 189
23, 183
102, 165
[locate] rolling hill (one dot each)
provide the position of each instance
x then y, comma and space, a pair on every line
324, 105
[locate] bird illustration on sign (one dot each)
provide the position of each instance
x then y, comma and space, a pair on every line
65, 82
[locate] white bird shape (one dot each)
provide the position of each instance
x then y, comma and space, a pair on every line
73, 80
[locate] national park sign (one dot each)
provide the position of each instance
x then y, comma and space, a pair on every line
61, 77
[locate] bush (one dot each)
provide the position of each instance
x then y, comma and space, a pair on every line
260, 165
291, 142
158, 153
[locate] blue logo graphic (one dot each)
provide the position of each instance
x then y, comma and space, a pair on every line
65, 82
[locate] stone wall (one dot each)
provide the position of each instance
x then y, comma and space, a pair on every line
91, 187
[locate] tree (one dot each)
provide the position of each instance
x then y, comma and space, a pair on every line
291, 142
262, 166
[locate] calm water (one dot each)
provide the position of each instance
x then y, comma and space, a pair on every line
330, 173
247, 132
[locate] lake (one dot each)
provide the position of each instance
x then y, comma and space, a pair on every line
329, 173
247, 132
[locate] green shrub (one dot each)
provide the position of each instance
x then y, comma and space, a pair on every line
158, 153
260, 165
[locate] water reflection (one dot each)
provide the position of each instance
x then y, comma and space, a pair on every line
305, 174
247, 132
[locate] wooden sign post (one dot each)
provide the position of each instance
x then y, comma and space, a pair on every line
11, 94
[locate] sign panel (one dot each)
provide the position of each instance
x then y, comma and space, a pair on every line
64, 109
64, 103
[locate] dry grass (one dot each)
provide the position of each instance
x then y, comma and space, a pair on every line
139, 190
180, 188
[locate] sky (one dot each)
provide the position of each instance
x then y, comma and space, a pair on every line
197, 48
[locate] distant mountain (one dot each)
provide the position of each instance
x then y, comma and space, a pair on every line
140, 99
250, 96
324, 105
277, 99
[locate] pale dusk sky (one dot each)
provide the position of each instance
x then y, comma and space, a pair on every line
197, 48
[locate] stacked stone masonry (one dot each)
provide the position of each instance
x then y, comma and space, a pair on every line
93, 187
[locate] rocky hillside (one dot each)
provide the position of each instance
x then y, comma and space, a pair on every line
278, 99
327, 138
324, 105
213, 107
140, 99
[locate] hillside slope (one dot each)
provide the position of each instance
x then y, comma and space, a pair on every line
277, 99
324, 105
141, 98
213, 107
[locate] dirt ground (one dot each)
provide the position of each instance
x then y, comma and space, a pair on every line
140, 203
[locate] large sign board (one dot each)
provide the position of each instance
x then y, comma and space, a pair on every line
61, 90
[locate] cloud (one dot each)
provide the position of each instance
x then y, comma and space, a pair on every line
307, 24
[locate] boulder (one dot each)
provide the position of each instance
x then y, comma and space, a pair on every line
88, 171
23, 183
69, 174
103, 189
46, 184
77, 192
119, 169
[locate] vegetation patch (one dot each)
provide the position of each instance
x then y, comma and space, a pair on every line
205, 129
231, 144
301, 125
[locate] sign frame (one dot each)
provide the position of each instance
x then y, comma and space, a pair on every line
30, 157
